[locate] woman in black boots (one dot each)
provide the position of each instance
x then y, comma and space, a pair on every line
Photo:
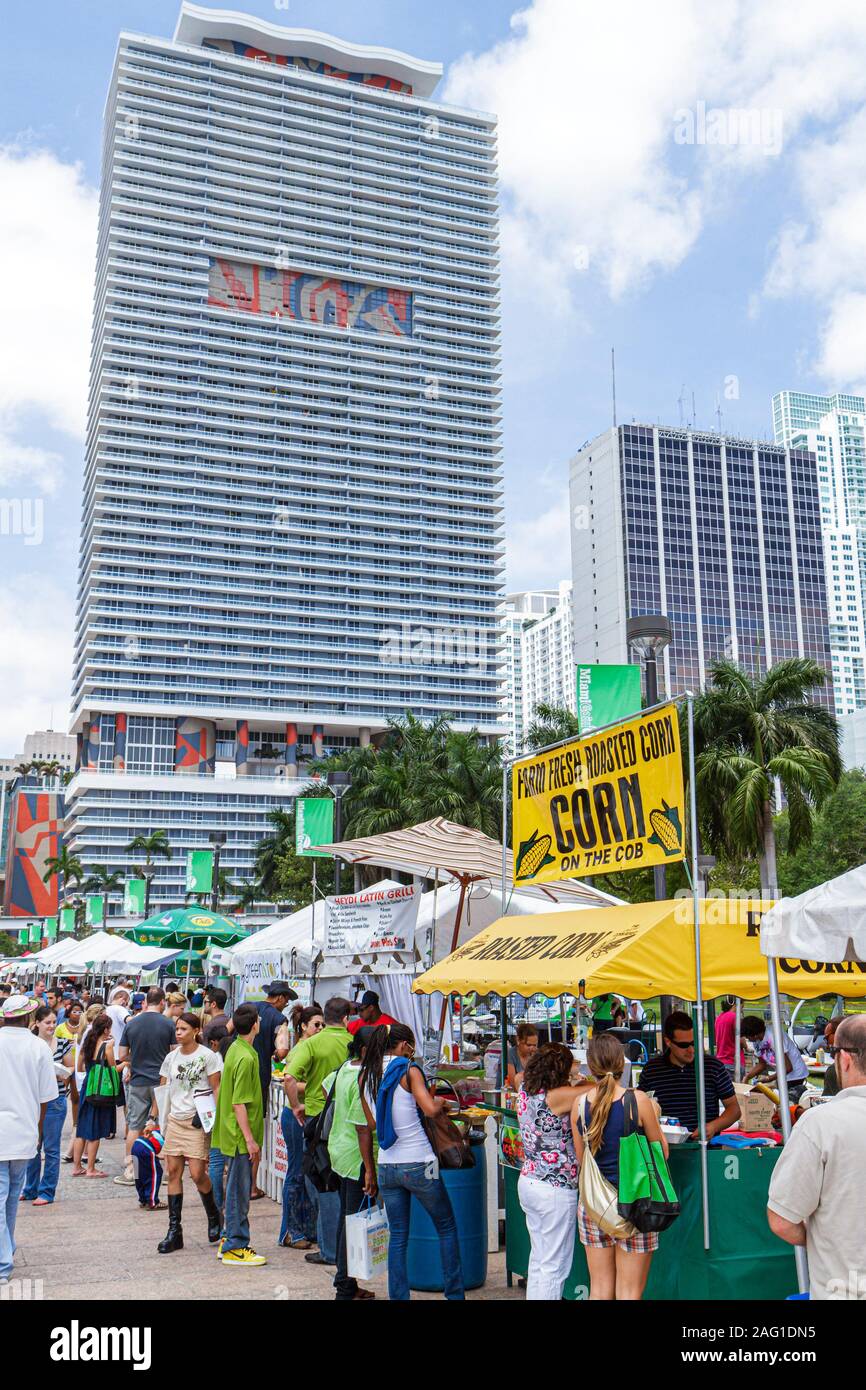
192, 1075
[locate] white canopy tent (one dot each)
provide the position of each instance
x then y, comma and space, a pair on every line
827, 923
105, 954
41, 960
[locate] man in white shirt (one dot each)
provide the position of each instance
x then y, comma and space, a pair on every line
27, 1084
816, 1191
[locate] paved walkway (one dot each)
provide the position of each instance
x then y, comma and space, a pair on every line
94, 1242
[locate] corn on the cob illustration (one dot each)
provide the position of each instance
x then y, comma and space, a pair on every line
665, 824
533, 855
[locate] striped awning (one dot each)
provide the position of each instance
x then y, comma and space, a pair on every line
466, 855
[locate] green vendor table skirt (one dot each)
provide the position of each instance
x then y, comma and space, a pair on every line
744, 1260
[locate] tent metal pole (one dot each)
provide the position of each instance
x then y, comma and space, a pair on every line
699, 1041
503, 1003
784, 1103
738, 1020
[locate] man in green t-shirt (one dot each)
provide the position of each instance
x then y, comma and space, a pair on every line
238, 1132
306, 1067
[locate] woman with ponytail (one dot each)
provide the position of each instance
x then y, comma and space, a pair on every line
395, 1099
618, 1269
547, 1186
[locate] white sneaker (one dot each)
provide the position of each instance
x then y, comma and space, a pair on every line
126, 1178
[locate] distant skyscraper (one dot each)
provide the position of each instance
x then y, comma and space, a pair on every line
517, 610
721, 534
292, 493
833, 428
548, 658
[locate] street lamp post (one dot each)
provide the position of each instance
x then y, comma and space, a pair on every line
649, 634
217, 838
339, 782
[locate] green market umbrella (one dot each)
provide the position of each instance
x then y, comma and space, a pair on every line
190, 929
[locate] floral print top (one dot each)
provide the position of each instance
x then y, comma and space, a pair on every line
547, 1142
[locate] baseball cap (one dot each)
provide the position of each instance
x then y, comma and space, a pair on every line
17, 1005
368, 997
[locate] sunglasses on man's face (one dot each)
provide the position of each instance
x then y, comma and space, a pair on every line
683, 1046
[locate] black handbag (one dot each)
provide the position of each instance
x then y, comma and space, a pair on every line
316, 1162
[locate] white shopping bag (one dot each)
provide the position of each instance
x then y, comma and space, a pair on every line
367, 1236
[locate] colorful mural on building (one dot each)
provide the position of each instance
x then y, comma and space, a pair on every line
194, 746
120, 743
35, 820
292, 294
282, 60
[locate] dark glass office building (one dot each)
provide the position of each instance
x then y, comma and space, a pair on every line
721, 534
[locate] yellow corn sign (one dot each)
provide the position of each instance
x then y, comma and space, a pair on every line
613, 800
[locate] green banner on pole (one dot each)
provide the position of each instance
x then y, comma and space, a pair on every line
606, 694
35, 934
314, 825
51, 928
95, 910
134, 890
67, 919
199, 871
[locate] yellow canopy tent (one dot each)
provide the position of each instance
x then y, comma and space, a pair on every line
638, 950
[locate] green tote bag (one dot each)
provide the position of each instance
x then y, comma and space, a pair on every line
646, 1194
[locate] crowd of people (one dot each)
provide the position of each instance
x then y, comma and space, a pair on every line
565, 1116
192, 1085
191, 1081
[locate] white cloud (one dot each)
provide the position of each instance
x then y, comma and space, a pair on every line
590, 98
48, 217
538, 549
37, 468
825, 257
35, 657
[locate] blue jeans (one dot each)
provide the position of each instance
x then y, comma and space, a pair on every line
327, 1208
13, 1173
298, 1221
398, 1184
239, 1185
216, 1167
49, 1149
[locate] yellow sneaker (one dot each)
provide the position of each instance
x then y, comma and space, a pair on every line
243, 1257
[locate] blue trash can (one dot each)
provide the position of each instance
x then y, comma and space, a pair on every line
467, 1188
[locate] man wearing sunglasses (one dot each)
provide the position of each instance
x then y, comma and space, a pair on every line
816, 1191
672, 1078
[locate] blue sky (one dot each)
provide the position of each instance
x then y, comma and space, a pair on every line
733, 265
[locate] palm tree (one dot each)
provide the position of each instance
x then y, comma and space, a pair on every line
66, 868
271, 847
101, 881
150, 845
750, 732
552, 724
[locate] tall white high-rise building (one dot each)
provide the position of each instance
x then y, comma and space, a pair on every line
833, 428
292, 495
548, 658
538, 661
